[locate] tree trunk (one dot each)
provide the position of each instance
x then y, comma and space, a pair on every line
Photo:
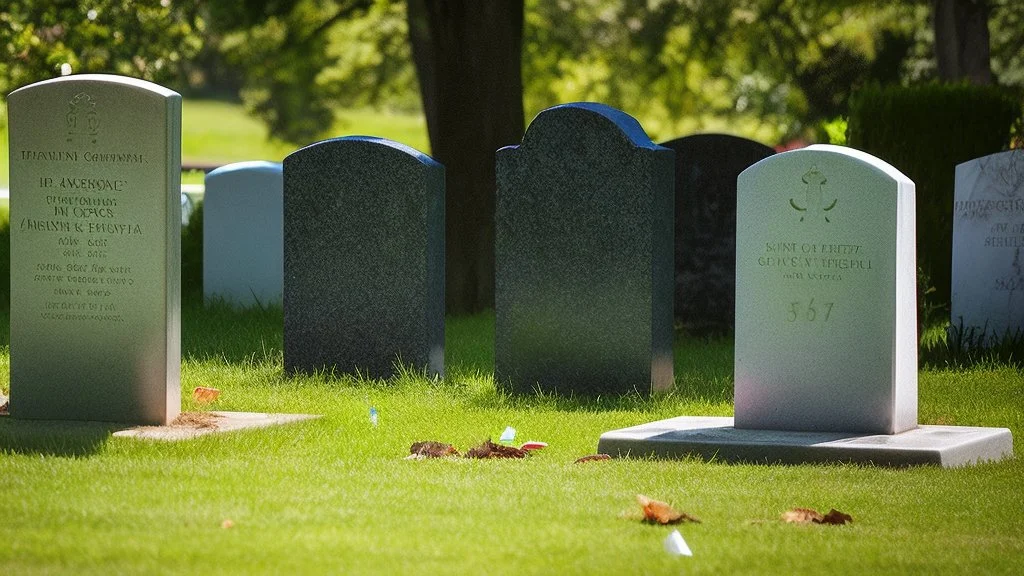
962, 40
468, 60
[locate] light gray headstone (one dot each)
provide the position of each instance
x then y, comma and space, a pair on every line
243, 238
95, 250
583, 256
988, 238
826, 314
363, 258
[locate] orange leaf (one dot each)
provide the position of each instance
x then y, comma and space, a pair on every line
802, 516
205, 395
659, 512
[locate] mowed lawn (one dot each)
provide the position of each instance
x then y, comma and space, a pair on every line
215, 132
336, 496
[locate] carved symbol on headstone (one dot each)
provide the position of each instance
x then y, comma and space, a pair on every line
82, 120
813, 196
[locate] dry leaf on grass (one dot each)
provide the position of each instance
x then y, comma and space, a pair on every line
808, 516
205, 395
489, 449
195, 420
227, 523
4, 407
835, 517
659, 512
431, 449
592, 458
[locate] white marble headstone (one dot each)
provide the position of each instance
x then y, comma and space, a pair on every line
988, 237
243, 237
826, 336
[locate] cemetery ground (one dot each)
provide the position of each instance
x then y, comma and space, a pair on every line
336, 495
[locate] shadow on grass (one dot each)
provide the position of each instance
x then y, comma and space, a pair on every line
51, 438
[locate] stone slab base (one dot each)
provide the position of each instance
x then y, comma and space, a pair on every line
212, 423
714, 438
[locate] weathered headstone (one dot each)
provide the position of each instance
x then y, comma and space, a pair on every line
707, 166
363, 258
583, 255
243, 238
826, 339
95, 243
826, 313
988, 237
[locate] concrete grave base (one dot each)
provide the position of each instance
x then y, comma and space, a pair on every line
715, 438
217, 422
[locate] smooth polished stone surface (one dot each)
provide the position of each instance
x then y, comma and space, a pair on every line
95, 250
715, 438
583, 256
363, 258
988, 237
826, 298
243, 234
707, 166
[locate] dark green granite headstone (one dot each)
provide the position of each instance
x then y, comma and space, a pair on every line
583, 254
707, 166
363, 258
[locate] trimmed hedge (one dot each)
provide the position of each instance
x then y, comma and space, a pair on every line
925, 131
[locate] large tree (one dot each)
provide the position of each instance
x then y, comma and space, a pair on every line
962, 47
468, 59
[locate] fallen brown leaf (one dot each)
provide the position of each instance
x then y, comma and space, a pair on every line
592, 458
835, 517
431, 449
205, 395
801, 516
195, 420
489, 449
659, 512
227, 523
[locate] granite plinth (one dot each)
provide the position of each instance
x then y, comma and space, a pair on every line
219, 422
707, 166
715, 438
583, 256
363, 258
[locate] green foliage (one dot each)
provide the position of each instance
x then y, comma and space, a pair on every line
925, 131
148, 39
835, 131
192, 256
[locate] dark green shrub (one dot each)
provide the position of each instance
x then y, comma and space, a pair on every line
925, 131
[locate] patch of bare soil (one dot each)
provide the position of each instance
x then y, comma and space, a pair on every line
195, 420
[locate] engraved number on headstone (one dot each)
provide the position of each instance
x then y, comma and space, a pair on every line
810, 311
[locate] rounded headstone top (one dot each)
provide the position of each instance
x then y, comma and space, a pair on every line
249, 166
626, 124
370, 141
867, 159
125, 81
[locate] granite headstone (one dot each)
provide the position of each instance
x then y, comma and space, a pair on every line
826, 312
95, 250
988, 237
583, 256
707, 166
363, 258
243, 234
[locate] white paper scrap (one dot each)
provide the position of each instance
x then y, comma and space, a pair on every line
676, 546
508, 435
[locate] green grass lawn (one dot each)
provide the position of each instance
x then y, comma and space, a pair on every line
335, 495
221, 132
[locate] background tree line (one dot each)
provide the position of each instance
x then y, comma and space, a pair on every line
770, 69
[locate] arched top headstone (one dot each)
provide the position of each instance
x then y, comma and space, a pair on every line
584, 120
123, 84
826, 309
253, 166
359, 145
